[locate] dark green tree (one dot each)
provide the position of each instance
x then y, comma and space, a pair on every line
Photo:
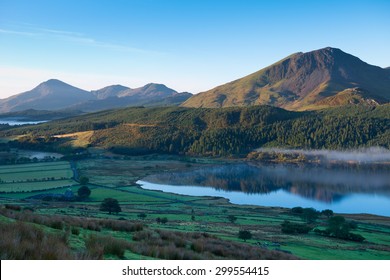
310, 215
294, 228
83, 192
163, 220
142, 216
338, 227
297, 210
110, 205
83, 180
232, 218
244, 235
327, 212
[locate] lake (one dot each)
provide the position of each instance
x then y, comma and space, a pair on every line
342, 188
18, 122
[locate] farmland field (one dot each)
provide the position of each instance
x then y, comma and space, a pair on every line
35, 176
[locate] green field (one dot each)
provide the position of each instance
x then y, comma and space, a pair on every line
35, 176
34, 166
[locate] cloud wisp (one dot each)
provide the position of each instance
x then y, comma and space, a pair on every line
14, 32
73, 37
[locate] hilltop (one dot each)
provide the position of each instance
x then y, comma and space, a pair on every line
314, 80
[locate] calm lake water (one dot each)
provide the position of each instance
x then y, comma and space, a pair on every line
342, 188
16, 122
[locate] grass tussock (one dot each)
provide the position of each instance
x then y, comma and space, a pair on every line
181, 246
59, 221
98, 246
21, 241
24, 240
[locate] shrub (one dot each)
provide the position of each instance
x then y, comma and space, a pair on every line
297, 210
57, 224
13, 207
173, 245
75, 231
163, 220
102, 245
21, 241
356, 237
339, 228
122, 225
29, 209
294, 228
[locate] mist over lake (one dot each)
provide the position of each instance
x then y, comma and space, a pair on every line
342, 188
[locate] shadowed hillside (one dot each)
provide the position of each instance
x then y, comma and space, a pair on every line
206, 131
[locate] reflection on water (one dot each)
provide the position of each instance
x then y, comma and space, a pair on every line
348, 188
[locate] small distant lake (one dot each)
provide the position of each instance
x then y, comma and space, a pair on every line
37, 154
18, 122
343, 189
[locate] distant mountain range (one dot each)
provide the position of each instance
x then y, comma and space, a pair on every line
319, 79
56, 95
314, 80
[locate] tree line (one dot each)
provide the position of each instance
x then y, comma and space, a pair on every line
214, 132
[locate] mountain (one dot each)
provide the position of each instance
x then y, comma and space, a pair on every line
56, 95
154, 95
149, 90
313, 80
118, 96
50, 95
110, 91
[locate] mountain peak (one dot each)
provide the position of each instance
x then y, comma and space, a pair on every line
149, 90
330, 49
155, 86
299, 82
50, 95
53, 83
109, 91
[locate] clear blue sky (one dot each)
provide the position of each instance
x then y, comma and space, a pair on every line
189, 45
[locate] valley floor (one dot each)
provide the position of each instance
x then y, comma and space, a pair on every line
160, 225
